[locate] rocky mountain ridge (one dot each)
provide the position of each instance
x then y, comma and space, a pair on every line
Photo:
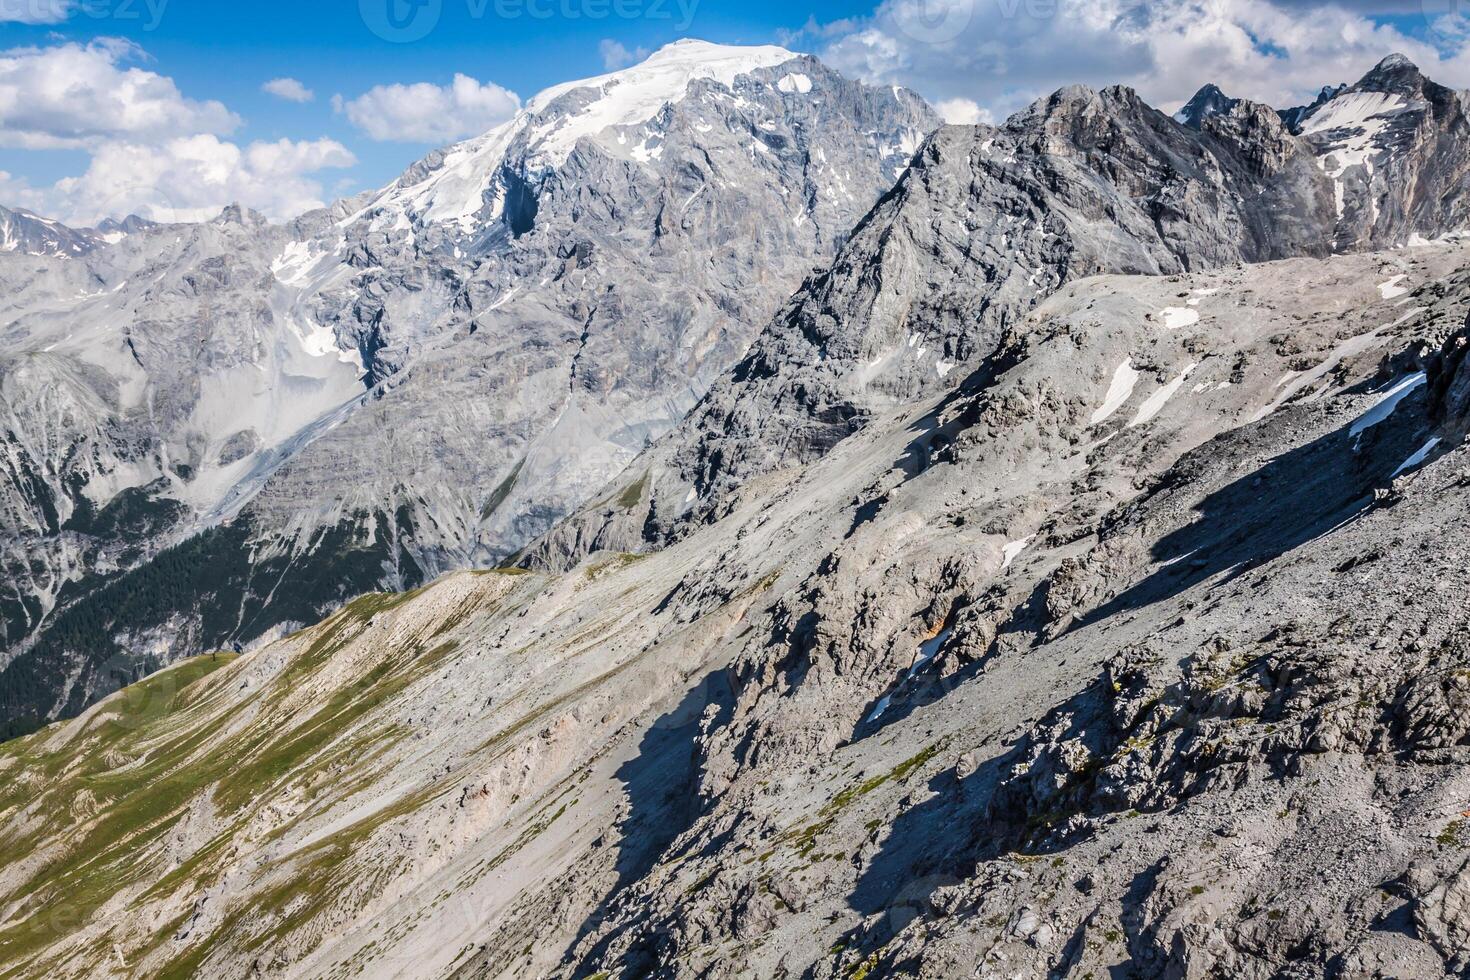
1089, 664
1080, 183
30, 234
415, 380
1134, 645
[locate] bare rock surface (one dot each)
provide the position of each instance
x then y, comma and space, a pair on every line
989, 221
1046, 673
243, 424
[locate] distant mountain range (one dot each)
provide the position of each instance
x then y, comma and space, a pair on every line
30, 234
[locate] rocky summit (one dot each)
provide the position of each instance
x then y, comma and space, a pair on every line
1065, 578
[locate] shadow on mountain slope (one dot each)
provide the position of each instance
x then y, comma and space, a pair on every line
933, 844
659, 783
1298, 496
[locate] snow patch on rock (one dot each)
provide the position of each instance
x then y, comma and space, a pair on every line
1013, 550
1156, 402
795, 83
1178, 316
1392, 289
1119, 391
1420, 456
1387, 404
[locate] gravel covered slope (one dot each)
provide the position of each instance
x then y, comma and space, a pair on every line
1138, 650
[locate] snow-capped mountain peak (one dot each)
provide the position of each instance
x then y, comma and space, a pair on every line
1367, 138
635, 95
1208, 101
452, 185
1395, 73
665, 75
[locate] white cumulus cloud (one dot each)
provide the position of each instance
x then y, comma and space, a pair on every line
16, 192
289, 89
151, 150
190, 178
74, 96
428, 113
962, 111
1002, 54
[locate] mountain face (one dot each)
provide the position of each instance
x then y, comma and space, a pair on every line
30, 234
138, 382
1394, 146
988, 221
1069, 580
626, 274
1138, 652
215, 430
1208, 101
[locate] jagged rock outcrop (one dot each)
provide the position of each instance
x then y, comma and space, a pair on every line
1449, 382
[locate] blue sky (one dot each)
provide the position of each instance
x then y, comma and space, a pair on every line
112, 104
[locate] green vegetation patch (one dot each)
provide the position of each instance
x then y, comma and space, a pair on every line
804, 838
633, 493
897, 774
139, 802
154, 749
